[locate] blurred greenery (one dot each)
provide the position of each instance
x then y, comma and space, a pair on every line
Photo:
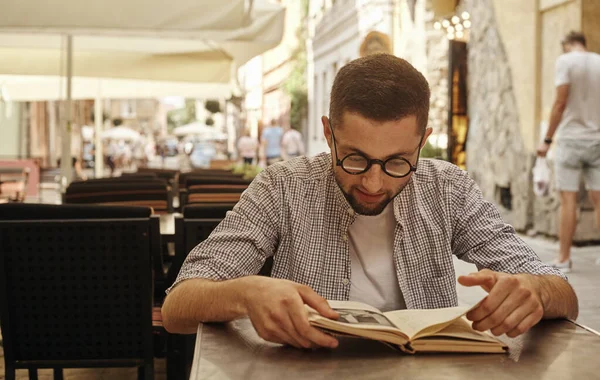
213, 106
248, 171
182, 116
295, 85
430, 151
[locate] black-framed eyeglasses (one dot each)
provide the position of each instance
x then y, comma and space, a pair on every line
357, 163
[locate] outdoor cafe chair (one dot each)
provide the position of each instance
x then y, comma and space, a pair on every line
76, 287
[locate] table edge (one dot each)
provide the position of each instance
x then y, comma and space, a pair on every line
589, 329
197, 350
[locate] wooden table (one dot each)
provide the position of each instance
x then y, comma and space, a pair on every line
556, 349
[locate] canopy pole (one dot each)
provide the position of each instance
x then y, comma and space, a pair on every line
98, 127
66, 165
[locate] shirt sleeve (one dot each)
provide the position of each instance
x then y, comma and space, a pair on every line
241, 243
481, 237
561, 71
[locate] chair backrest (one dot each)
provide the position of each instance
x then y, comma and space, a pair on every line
197, 223
121, 179
215, 180
154, 193
206, 173
167, 174
75, 285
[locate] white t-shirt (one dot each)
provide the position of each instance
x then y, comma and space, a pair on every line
247, 146
374, 279
581, 71
292, 143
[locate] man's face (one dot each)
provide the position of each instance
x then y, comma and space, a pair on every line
370, 192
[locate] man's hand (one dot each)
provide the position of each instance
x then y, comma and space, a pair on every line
542, 149
276, 309
512, 306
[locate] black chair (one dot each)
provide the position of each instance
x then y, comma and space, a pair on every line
215, 180
149, 193
194, 226
192, 183
170, 175
76, 287
125, 177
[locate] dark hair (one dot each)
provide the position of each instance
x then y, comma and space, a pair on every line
380, 87
575, 37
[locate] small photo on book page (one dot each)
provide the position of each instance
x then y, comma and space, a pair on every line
363, 317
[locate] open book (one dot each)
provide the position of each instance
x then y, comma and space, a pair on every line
434, 330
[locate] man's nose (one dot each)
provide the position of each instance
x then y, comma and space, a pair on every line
372, 180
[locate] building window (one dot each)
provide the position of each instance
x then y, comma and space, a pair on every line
504, 197
128, 109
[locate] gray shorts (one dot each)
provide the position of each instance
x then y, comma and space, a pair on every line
574, 158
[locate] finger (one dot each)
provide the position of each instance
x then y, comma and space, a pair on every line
288, 326
527, 323
493, 301
276, 334
269, 330
521, 308
312, 299
299, 317
486, 279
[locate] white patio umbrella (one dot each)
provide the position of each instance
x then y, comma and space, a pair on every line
187, 40
219, 136
121, 133
194, 129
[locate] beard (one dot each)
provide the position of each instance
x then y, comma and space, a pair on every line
367, 209
371, 209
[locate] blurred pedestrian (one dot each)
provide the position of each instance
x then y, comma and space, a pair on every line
576, 116
271, 142
247, 147
292, 144
111, 155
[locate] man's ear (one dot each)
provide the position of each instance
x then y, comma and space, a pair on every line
426, 136
326, 130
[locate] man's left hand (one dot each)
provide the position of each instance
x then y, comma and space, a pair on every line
512, 306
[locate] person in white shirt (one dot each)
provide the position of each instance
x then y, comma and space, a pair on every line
576, 116
247, 147
291, 144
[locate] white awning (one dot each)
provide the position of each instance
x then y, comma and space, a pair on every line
21, 88
185, 40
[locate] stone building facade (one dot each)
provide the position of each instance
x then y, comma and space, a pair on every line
338, 33
511, 54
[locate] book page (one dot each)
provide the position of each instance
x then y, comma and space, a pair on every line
352, 305
355, 313
461, 328
417, 322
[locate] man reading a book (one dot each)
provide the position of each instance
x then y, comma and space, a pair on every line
368, 221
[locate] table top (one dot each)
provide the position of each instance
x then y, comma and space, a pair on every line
556, 349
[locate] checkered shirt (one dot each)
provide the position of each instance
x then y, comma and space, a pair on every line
295, 212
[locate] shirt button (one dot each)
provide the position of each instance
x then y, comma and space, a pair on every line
345, 237
345, 281
350, 212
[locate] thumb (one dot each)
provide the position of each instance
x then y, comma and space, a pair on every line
312, 299
484, 278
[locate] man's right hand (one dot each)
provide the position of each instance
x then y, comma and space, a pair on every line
277, 310
542, 149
